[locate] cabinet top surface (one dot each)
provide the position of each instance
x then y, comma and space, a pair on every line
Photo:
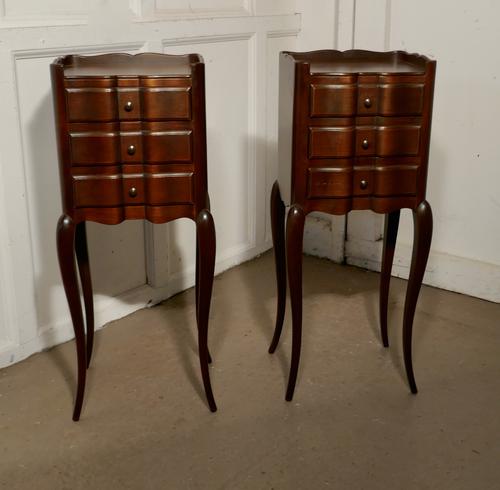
126, 65
331, 62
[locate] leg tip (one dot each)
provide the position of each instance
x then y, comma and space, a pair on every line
271, 349
385, 343
213, 408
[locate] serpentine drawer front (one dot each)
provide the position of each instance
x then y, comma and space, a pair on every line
354, 131
132, 145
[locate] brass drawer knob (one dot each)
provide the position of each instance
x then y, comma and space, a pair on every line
129, 106
368, 102
363, 184
365, 144
132, 192
131, 150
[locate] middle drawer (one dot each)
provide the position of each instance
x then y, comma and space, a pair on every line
349, 141
114, 143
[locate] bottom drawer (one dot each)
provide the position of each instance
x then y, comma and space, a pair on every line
155, 189
393, 180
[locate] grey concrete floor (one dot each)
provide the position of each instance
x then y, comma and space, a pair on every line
352, 425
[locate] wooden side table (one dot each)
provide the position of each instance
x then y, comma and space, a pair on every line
132, 145
354, 131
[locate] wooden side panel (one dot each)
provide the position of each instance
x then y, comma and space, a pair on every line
167, 146
402, 99
94, 148
329, 182
169, 188
398, 140
331, 142
93, 191
91, 104
398, 180
329, 100
166, 103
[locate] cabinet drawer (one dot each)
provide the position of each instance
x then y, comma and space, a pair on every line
167, 146
169, 188
166, 103
397, 180
94, 148
91, 104
328, 142
384, 141
327, 182
330, 100
155, 189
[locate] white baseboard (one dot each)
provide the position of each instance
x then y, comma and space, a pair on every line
112, 308
458, 274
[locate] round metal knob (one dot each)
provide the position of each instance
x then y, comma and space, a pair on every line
132, 192
129, 106
365, 144
131, 150
363, 184
368, 102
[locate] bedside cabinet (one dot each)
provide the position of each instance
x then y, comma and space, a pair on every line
132, 145
354, 130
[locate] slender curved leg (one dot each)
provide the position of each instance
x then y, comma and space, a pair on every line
390, 236
82, 257
422, 223
197, 289
278, 230
66, 254
294, 244
205, 231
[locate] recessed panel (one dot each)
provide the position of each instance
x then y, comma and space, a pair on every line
331, 142
329, 182
330, 100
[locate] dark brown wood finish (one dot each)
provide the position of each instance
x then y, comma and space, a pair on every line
354, 133
278, 232
131, 137
391, 226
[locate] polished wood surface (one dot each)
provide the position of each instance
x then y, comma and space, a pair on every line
354, 133
132, 145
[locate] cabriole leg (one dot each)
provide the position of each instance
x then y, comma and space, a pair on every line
66, 230
422, 223
278, 231
82, 257
390, 236
294, 244
205, 231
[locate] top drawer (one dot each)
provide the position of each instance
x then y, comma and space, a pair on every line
385, 99
105, 104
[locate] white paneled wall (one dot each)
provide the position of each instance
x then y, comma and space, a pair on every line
464, 170
133, 263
